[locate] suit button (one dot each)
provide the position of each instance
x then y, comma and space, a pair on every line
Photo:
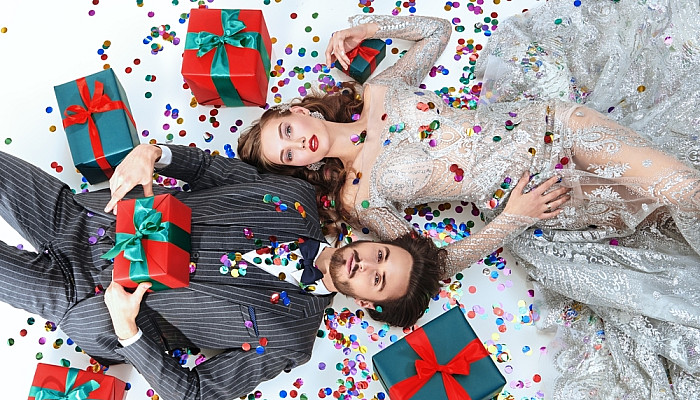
195, 256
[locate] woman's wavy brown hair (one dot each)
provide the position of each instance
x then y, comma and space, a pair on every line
337, 106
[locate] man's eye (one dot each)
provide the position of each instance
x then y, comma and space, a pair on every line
380, 256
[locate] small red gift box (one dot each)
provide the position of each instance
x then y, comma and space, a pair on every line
152, 243
55, 382
227, 57
364, 59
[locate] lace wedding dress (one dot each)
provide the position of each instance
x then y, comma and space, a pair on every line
620, 266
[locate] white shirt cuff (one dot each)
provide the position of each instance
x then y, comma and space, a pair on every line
131, 340
165, 158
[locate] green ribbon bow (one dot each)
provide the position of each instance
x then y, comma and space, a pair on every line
79, 393
147, 225
205, 42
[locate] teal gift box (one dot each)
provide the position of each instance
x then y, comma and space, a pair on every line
364, 59
98, 123
443, 360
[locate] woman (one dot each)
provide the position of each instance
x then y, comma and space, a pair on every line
626, 243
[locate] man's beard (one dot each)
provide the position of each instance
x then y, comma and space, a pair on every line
337, 270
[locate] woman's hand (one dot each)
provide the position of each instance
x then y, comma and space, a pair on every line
346, 40
537, 203
124, 307
136, 169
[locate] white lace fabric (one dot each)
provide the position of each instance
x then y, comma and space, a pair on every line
625, 252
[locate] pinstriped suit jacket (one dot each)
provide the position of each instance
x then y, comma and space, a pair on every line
226, 197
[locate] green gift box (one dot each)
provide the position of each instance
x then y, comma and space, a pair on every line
443, 360
364, 59
98, 123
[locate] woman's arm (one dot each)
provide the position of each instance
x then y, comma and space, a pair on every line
430, 35
465, 252
522, 211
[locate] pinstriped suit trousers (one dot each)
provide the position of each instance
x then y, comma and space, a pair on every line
65, 268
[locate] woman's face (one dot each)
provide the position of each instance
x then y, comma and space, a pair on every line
295, 139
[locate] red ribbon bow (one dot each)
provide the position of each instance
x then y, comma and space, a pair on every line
99, 103
367, 53
427, 366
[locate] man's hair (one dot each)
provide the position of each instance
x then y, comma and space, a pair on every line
424, 281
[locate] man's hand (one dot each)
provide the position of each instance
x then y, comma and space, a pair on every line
124, 307
136, 169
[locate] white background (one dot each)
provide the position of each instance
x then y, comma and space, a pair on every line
50, 42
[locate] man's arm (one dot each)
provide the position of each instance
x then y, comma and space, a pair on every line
228, 375
186, 163
201, 170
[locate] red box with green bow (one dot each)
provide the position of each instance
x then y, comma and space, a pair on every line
443, 360
152, 243
227, 57
55, 382
364, 59
99, 126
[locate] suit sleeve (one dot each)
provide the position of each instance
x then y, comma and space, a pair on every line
201, 170
228, 375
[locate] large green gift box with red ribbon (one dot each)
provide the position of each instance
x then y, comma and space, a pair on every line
152, 243
99, 126
227, 57
56, 382
364, 59
443, 360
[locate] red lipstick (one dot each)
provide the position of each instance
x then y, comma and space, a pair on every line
313, 143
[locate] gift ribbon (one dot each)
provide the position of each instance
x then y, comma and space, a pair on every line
427, 366
78, 393
148, 225
205, 42
99, 103
368, 53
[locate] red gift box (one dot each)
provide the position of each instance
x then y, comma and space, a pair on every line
53, 381
159, 253
230, 68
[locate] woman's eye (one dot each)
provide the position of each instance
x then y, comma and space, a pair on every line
376, 279
289, 156
288, 131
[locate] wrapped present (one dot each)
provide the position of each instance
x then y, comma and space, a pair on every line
152, 243
443, 360
364, 59
227, 57
55, 382
98, 123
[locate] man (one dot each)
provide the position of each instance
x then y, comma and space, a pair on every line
230, 214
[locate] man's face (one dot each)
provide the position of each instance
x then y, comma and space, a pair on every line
371, 272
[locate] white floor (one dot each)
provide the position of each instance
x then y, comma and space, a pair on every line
47, 43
